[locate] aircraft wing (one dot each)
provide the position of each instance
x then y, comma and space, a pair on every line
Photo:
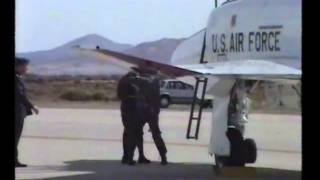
131, 62
253, 69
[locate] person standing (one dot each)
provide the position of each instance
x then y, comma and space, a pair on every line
141, 107
150, 88
127, 92
23, 106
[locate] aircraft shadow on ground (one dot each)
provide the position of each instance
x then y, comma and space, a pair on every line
114, 170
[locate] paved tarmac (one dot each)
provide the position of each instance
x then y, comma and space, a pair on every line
85, 144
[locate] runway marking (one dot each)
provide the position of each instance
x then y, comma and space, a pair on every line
147, 142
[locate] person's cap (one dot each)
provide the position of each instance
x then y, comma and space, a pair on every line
21, 61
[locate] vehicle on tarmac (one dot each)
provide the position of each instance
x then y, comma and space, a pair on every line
173, 91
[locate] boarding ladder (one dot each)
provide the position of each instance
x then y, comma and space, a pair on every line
196, 116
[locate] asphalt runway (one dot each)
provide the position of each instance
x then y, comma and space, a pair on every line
85, 144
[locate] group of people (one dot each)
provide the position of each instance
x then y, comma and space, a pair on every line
140, 104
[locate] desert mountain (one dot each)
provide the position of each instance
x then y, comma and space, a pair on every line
65, 60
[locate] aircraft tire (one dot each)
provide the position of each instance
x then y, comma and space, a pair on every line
250, 150
239, 148
237, 157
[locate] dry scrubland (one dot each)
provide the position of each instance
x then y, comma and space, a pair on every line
72, 88
100, 92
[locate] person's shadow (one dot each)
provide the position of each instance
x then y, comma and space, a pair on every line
114, 170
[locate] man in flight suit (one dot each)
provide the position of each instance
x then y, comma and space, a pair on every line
128, 93
23, 107
150, 88
141, 104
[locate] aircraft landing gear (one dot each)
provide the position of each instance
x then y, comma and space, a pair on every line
250, 150
236, 157
242, 150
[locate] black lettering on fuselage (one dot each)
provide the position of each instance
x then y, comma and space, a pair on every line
271, 35
251, 34
264, 42
231, 49
277, 41
257, 41
240, 41
214, 43
222, 39
236, 41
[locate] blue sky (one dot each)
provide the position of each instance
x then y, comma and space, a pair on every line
45, 24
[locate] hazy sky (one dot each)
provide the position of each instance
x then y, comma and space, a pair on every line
44, 24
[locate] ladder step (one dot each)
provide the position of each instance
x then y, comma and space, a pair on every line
193, 137
192, 118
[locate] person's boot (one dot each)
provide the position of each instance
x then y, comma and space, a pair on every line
18, 164
124, 160
143, 160
164, 160
131, 162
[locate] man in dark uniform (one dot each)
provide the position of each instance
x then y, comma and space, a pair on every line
150, 88
23, 107
141, 122
128, 94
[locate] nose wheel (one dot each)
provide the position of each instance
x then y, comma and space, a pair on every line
242, 151
250, 149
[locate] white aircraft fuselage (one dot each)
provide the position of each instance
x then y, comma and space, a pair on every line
243, 40
248, 29
243, 34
